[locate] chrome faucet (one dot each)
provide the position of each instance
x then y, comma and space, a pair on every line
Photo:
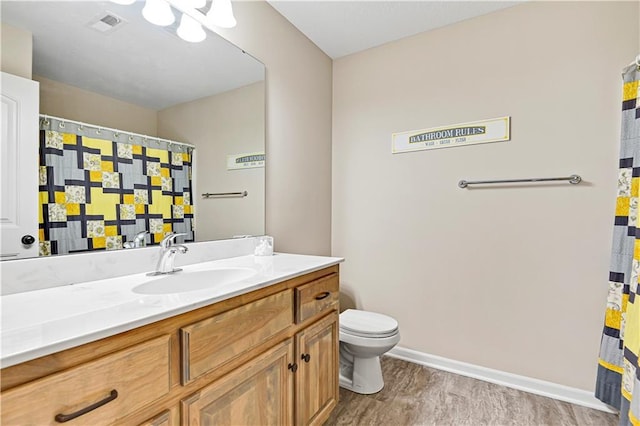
138, 241
168, 254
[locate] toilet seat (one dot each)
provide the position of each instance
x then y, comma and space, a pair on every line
367, 324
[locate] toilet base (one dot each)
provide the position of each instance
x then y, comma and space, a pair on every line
367, 376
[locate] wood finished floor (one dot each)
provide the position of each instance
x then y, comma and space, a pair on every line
418, 395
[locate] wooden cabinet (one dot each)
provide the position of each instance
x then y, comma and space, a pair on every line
258, 393
317, 375
317, 345
268, 357
261, 392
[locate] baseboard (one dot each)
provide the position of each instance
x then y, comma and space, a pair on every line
523, 383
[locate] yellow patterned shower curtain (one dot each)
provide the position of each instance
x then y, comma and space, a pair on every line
99, 189
618, 380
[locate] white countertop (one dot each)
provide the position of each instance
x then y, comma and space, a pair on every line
42, 322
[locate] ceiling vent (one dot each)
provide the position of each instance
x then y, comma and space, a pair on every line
106, 22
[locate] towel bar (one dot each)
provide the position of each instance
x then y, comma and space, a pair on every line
224, 194
573, 179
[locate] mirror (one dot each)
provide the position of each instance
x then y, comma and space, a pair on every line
102, 63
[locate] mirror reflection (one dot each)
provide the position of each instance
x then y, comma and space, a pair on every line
101, 66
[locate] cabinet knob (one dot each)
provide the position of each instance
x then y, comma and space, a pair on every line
27, 240
306, 357
293, 367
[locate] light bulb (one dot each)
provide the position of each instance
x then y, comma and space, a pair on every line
190, 29
221, 14
158, 12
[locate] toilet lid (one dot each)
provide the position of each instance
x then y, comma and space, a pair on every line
367, 324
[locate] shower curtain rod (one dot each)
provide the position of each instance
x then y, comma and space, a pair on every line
115, 131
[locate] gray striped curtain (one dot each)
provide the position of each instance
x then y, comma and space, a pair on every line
618, 380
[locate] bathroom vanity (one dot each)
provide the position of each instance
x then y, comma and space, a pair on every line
264, 351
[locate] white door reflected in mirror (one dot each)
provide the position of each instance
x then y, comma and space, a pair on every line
19, 168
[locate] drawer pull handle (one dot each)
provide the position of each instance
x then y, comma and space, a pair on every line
61, 418
293, 367
323, 295
306, 357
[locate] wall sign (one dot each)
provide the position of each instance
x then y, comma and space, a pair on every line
493, 130
245, 161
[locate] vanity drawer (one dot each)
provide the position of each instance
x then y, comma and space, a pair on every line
215, 341
317, 296
119, 384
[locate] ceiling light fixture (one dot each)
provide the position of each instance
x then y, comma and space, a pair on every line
190, 30
221, 14
158, 12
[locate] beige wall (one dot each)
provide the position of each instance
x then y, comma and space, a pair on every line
511, 278
298, 126
62, 100
221, 125
15, 51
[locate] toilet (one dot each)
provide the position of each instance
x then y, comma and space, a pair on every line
364, 337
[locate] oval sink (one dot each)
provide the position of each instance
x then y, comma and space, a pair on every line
184, 281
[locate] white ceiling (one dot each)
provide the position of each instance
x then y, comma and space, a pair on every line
150, 66
341, 28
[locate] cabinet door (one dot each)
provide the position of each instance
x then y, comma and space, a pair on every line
317, 381
258, 393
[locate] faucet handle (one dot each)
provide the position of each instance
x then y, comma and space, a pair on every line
141, 234
167, 241
140, 240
